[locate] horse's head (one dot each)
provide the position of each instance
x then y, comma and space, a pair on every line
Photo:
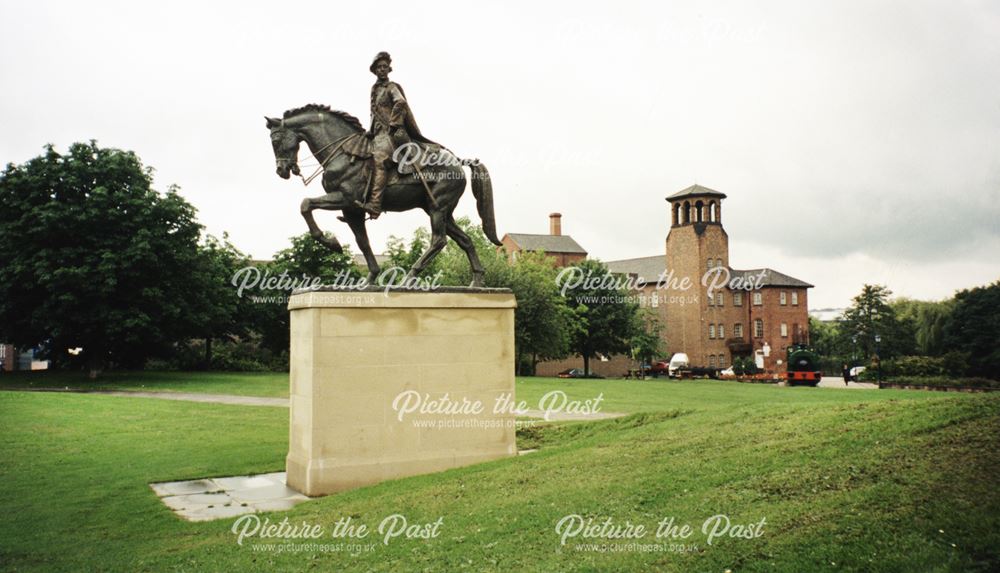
285, 142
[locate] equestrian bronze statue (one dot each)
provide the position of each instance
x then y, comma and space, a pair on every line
391, 167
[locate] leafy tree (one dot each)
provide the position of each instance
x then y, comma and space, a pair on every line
926, 320
543, 323
403, 255
974, 327
305, 261
834, 351
604, 314
453, 263
221, 311
825, 338
869, 316
306, 258
91, 256
647, 342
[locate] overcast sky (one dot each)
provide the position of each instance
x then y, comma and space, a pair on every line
857, 141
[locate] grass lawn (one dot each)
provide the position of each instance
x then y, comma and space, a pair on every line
619, 395
267, 384
846, 479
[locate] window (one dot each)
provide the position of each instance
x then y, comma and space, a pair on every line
795, 299
737, 299
784, 298
711, 361
718, 262
709, 264
784, 330
738, 330
722, 331
758, 299
709, 300
722, 361
758, 328
719, 301
711, 331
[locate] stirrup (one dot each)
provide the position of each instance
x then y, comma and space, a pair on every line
373, 212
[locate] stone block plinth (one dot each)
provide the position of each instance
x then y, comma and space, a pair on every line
384, 384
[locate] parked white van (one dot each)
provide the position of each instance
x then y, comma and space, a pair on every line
678, 360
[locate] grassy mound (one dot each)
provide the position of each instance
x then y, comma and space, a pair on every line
854, 480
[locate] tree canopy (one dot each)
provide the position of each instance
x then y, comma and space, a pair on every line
605, 315
870, 316
974, 327
93, 257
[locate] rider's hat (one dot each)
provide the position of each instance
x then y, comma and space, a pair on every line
380, 57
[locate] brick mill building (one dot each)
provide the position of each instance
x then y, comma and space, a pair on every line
563, 249
755, 312
760, 322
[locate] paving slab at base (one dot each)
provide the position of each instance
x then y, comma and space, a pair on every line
218, 498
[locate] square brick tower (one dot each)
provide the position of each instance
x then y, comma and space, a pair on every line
761, 322
696, 243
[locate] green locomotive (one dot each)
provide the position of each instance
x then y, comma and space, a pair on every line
803, 366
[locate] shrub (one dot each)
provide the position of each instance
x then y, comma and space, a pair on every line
914, 366
946, 381
956, 363
738, 366
744, 366
869, 375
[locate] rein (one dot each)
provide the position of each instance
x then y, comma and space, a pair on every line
340, 143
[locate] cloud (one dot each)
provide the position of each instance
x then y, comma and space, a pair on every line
838, 130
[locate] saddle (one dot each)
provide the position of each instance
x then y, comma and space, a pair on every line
359, 146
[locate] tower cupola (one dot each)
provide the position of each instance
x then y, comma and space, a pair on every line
695, 205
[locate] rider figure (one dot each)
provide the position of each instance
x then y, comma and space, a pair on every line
392, 126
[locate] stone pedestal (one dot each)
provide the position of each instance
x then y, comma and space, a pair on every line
359, 357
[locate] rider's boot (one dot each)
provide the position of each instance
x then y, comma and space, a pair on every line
374, 204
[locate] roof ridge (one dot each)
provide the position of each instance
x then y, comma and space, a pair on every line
637, 258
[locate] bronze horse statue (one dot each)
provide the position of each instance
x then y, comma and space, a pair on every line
338, 142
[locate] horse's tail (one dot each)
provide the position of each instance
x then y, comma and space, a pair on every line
482, 190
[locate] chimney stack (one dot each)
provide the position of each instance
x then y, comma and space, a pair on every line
555, 224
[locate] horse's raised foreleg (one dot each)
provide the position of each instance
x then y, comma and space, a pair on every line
356, 220
439, 239
328, 240
458, 235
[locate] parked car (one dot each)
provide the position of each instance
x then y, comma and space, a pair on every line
576, 373
660, 368
644, 370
